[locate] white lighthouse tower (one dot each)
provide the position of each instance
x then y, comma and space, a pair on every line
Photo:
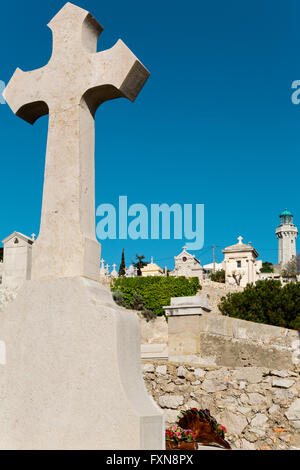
286, 233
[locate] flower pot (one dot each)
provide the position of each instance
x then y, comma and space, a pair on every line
204, 432
182, 445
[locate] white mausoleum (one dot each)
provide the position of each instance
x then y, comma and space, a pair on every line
17, 259
240, 264
152, 269
187, 265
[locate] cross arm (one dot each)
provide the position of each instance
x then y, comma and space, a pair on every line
118, 73
23, 97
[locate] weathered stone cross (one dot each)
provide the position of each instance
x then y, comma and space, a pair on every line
70, 88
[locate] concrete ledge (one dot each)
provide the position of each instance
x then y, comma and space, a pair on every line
189, 305
154, 351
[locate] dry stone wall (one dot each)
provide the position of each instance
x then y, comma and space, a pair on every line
214, 291
260, 407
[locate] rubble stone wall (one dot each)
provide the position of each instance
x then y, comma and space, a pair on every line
260, 407
214, 291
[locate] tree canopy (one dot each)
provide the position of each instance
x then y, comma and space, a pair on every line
292, 268
139, 264
265, 302
267, 267
218, 276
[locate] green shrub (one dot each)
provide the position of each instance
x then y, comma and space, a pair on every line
267, 267
153, 292
118, 297
265, 302
148, 315
137, 302
218, 276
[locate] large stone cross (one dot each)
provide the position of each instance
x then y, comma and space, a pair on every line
70, 88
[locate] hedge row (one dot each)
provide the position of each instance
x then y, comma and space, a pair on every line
154, 292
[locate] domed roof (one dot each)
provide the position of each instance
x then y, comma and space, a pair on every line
286, 213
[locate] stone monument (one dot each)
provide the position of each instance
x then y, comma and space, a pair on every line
72, 376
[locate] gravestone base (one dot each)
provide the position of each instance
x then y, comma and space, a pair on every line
72, 377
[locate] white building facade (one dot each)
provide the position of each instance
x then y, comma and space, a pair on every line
17, 259
152, 269
187, 265
240, 264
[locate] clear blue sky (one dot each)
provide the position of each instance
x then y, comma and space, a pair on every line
214, 124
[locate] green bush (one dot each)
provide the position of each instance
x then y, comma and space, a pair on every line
148, 315
267, 267
218, 276
118, 298
265, 302
155, 291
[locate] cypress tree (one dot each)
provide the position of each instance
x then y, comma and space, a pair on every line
122, 267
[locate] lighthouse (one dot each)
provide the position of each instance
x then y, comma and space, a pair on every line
286, 234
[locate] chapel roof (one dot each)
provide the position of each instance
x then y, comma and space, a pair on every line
240, 247
187, 254
17, 234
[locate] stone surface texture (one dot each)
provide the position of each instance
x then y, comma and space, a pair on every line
72, 378
255, 416
6, 295
223, 341
214, 291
